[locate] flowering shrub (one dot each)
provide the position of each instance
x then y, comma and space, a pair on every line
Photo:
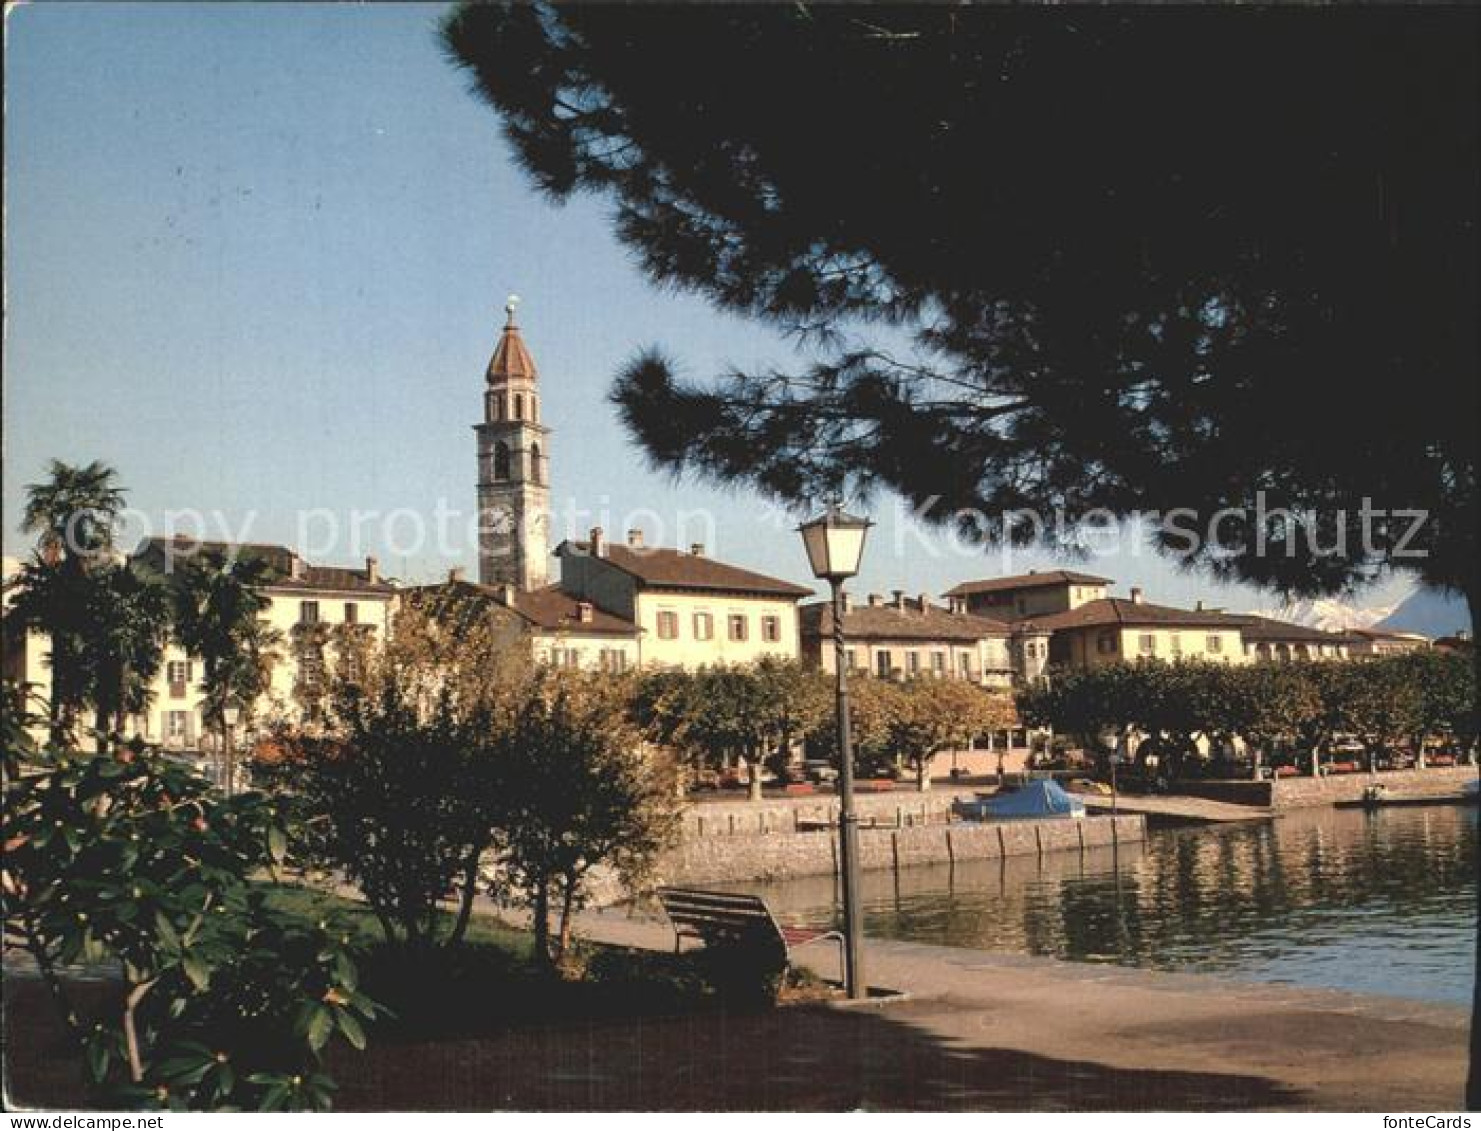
128, 859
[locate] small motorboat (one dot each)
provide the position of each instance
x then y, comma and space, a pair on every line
1036, 801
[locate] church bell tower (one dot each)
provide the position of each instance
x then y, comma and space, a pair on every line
513, 468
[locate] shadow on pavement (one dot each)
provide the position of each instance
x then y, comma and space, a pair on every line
807, 1058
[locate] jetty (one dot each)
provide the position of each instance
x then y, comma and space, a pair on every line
1172, 811
1402, 800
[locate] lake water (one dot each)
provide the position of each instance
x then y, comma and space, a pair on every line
1381, 902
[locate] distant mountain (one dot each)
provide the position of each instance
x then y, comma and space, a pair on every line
1330, 614
1430, 612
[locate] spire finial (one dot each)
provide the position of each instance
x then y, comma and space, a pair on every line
511, 304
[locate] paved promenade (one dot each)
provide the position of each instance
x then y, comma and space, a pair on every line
1017, 1032
979, 1031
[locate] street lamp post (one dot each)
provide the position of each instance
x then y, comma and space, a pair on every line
229, 717
835, 544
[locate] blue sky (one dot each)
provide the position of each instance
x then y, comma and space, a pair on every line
256, 258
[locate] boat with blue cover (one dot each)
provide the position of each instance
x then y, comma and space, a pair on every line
1036, 801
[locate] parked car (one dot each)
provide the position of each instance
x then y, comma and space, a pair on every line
741, 778
819, 770
1087, 785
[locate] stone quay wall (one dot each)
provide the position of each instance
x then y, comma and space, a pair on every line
899, 808
1304, 791
1298, 793
784, 855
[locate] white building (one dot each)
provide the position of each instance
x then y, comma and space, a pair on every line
906, 637
310, 607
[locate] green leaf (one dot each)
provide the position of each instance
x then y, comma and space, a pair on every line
186, 1069
344, 970
350, 1028
97, 1060
320, 1026
166, 931
197, 971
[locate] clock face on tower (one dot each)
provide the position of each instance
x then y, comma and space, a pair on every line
499, 523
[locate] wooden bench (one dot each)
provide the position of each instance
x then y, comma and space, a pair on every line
718, 917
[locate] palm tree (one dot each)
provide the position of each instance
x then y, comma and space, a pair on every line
72, 513
125, 630
53, 600
218, 607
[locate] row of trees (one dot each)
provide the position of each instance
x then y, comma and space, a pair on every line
757, 714
1179, 711
107, 619
446, 764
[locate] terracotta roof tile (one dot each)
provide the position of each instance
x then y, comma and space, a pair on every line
555, 610
887, 622
279, 561
1119, 611
1388, 634
1026, 581
550, 609
670, 569
512, 360
1263, 630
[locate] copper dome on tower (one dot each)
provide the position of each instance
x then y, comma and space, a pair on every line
511, 361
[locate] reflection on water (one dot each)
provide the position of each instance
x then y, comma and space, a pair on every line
1380, 902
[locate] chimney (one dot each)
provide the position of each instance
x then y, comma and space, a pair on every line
504, 594
598, 548
583, 611
1136, 594
924, 601
875, 600
899, 597
845, 600
296, 567
958, 604
372, 570
697, 549
1198, 608
455, 574
635, 538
